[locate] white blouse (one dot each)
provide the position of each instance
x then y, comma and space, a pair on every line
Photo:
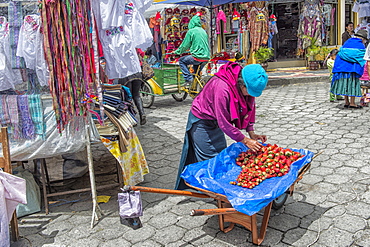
7, 77
30, 47
120, 32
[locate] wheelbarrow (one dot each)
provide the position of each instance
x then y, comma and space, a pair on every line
225, 211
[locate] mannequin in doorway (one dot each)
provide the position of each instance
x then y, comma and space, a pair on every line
349, 33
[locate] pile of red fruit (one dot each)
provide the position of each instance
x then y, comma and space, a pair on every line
270, 161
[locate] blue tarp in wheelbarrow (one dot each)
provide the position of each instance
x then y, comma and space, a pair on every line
215, 175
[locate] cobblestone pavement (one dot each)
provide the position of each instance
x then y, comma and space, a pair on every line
330, 205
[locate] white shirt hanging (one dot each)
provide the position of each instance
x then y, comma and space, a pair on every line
143, 37
118, 40
30, 47
362, 7
7, 77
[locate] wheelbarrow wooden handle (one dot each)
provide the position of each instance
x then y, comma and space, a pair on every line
165, 191
213, 211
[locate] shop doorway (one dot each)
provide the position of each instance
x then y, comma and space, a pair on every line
286, 41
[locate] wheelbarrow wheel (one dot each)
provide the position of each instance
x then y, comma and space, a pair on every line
279, 202
147, 95
180, 96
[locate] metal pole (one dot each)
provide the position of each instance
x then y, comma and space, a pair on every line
96, 209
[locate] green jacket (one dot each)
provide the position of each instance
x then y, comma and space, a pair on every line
196, 40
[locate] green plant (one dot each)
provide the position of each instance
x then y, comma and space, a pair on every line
313, 49
263, 54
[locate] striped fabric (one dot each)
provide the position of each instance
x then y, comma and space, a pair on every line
14, 117
15, 23
347, 86
36, 112
28, 129
4, 114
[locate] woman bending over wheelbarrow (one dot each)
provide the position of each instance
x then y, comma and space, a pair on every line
226, 105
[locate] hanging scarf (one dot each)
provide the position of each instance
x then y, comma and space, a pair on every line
4, 114
28, 129
15, 22
36, 112
13, 114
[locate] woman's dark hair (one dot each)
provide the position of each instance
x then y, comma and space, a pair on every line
333, 52
240, 80
149, 52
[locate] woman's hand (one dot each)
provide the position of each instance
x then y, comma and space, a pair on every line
256, 137
254, 145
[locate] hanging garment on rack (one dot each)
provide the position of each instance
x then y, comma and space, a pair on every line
326, 13
143, 38
310, 24
118, 41
36, 112
14, 116
362, 7
15, 22
12, 192
30, 47
28, 129
258, 26
7, 77
221, 17
363, 26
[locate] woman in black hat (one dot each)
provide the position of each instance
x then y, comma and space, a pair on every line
348, 68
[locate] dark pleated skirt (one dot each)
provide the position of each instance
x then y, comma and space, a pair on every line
203, 140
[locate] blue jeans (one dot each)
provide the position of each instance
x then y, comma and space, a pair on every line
184, 62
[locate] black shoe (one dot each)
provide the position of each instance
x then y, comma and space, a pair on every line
142, 119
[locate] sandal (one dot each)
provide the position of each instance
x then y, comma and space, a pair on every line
355, 107
346, 106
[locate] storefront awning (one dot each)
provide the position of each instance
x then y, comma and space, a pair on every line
205, 3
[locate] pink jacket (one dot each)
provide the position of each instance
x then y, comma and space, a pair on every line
221, 100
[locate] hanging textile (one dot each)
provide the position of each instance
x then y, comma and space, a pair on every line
133, 162
122, 29
362, 7
119, 136
310, 24
30, 47
15, 22
7, 77
68, 47
258, 25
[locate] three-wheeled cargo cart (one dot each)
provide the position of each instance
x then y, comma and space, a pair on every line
167, 80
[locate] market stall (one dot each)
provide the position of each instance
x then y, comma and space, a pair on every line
51, 89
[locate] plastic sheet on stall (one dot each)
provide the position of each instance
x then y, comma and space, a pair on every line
215, 175
71, 140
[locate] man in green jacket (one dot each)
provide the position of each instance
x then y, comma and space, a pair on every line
196, 41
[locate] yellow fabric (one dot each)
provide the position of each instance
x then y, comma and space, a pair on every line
104, 199
133, 163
